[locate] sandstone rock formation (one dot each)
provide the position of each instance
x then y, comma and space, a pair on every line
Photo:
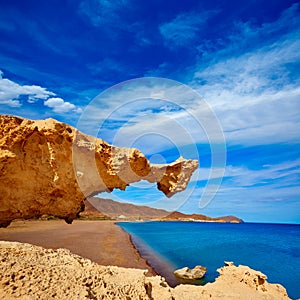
49, 168
31, 272
190, 274
242, 282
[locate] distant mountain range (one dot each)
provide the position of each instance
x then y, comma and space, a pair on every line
109, 209
198, 217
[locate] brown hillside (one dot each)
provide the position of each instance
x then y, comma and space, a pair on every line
174, 216
115, 209
91, 212
231, 219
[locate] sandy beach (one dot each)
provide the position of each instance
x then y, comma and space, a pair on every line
103, 242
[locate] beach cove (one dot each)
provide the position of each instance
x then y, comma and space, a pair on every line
107, 244
102, 242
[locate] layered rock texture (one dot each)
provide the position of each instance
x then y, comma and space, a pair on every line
31, 272
49, 168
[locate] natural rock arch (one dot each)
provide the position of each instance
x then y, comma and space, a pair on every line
49, 168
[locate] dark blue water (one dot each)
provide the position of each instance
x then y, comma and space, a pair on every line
273, 249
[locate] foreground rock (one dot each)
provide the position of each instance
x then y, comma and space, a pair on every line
190, 274
31, 272
49, 168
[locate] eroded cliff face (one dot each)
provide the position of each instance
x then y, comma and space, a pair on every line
49, 168
31, 272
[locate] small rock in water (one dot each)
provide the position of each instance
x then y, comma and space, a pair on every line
190, 274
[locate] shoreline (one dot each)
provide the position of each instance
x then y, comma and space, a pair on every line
103, 241
151, 271
160, 265
87, 238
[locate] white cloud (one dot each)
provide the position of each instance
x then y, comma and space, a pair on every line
11, 92
60, 106
14, 94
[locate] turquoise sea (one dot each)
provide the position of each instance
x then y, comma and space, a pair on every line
273, 249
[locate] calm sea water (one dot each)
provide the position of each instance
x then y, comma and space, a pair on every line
273, 249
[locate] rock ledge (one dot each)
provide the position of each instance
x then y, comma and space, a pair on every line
31, 272
50, 168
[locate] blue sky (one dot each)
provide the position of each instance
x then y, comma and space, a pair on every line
241, 57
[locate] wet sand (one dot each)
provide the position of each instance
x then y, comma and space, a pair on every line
101, 241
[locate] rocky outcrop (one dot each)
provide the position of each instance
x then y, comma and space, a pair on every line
31, 272
242, 282
190, 274
49, 168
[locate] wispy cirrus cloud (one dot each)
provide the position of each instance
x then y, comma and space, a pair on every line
104, 12
256, 93
110, 69
284, 172
247, 36
269, 67
269, 189
250, 79
252, 104
185, 27
152, 107
247, 177
13, 94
